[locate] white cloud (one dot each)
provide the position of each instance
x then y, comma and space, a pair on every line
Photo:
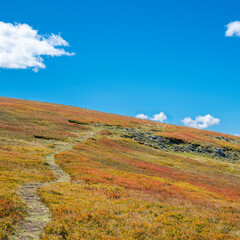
160, 117
201, 122
237, 135
142, 116
233, 29
21, 47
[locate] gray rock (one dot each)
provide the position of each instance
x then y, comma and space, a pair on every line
220, 152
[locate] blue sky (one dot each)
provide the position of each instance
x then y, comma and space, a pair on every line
135, 57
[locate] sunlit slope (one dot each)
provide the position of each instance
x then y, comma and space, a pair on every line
130, 179
38, 117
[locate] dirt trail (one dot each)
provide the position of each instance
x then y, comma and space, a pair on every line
38, 213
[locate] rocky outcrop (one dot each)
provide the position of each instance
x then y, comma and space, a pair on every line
179, 145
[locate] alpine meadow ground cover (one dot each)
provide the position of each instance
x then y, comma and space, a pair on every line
120, 188
123, 190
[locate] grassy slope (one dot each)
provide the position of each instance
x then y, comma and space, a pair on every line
120, 189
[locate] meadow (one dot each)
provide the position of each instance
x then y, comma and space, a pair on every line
119, 188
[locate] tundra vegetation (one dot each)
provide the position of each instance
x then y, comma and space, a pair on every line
130, 178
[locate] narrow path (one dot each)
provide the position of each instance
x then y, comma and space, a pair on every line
38, 215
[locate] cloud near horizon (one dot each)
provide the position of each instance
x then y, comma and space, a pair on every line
237, 135
142, 116
201, 122
159, 117
21, 47
233, 29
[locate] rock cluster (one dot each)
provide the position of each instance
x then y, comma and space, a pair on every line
227, 139
178, 145
224, 139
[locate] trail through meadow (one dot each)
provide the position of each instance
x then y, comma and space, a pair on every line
38, 214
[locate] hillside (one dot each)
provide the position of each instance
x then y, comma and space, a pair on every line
73, 173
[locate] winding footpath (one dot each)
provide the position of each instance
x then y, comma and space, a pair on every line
38, 214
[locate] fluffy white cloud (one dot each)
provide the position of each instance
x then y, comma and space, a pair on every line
142, 116
160, 117
237, 135
233, 29
201, 122
21, 47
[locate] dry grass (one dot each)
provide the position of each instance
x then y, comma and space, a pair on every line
120, 189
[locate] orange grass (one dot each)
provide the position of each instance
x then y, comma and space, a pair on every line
117, 164
120, 189
18, 165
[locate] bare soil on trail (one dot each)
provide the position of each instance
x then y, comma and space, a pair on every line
38, 214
